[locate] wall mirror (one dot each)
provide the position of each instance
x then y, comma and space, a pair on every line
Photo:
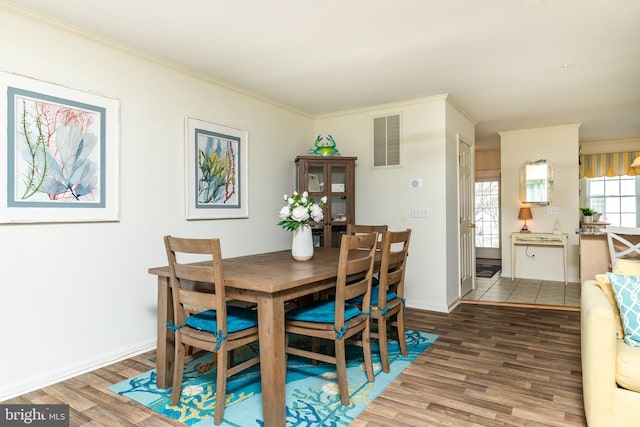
536, 182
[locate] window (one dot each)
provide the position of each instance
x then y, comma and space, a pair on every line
487, 214
386, 141
616, 198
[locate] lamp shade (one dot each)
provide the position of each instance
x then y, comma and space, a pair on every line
636, 162
525, 213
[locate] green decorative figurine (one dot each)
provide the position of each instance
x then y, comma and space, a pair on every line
327, 148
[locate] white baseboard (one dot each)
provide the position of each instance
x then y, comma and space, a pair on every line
26, 385
427, 307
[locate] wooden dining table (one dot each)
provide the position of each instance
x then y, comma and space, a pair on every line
270, 280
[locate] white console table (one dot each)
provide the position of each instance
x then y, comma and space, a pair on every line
539, 239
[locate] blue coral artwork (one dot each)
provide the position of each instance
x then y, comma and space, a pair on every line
57, 145
61, 157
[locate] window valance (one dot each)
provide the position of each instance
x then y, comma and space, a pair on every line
608, 164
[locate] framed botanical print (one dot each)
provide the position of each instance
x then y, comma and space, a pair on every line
217, 175
59, 156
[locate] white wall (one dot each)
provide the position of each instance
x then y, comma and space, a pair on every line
75, 296
384, 196
559, 145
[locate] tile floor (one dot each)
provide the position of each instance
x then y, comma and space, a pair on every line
525, 291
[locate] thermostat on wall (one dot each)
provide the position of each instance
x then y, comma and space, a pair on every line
415, 183
337, 188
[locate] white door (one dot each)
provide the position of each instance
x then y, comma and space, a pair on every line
467, 216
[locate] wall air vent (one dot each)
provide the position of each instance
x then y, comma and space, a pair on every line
386, 141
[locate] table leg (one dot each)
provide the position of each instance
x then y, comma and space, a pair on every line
166, 343
273, 368
564, 253
513, 260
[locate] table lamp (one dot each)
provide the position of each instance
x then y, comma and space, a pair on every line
525, 213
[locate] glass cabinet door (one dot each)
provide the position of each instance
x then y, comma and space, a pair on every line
339, 203
332, 178
339, 211
316, 180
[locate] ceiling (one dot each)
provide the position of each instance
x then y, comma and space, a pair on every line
509, 64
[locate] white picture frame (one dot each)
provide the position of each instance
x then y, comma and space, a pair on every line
59, 160
216, 171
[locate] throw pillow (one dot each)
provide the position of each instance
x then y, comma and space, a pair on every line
605, 285
627, 292
627, 267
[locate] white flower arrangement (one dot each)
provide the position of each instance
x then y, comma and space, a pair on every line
300, 210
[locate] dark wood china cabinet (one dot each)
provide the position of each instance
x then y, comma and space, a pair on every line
333, 177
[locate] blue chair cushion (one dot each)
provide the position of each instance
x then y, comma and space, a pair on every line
374, 297
237, 319
321, 312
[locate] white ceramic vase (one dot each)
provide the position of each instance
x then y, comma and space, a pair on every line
302, 244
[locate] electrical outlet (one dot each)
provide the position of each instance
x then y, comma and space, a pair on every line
419, 212
553, 210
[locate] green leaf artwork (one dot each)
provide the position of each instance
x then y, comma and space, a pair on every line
216, 165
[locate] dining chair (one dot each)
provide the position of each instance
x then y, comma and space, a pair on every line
624, 242
353, 229
203, 319
387, 299
336, 320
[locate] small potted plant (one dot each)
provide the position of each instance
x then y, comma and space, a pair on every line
587, 215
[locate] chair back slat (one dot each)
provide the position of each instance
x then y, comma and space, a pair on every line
353, 229
194, 273
357, 288
197, 301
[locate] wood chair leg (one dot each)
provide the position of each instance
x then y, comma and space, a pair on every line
315, 347
221, 384
366, 348
383, 344
401, 337
341, 369
178, 371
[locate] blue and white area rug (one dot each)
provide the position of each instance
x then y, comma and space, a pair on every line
312, 390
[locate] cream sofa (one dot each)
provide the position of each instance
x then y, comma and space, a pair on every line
610, 367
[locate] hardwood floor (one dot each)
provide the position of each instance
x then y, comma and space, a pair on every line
491, 366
